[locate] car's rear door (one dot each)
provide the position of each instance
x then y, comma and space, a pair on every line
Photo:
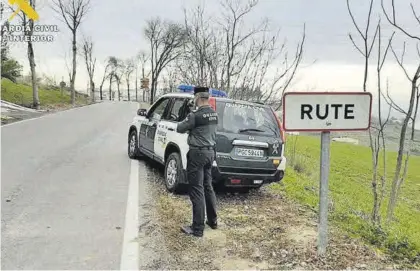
248, 138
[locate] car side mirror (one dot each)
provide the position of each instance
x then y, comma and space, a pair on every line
142, 112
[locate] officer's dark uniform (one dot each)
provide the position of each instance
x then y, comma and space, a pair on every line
201, 125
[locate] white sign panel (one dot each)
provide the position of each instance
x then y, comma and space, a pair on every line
326, 111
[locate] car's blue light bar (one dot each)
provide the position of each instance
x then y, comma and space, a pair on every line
213, 92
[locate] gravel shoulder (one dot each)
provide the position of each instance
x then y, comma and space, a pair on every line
260, 230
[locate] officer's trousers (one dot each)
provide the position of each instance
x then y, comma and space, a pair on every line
203, 198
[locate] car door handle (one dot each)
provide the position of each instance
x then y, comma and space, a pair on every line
171, 129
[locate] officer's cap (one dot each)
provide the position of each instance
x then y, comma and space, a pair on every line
202, 92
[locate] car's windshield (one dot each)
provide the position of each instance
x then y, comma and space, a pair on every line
236, 117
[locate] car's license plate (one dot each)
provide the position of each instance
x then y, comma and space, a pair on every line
249, 152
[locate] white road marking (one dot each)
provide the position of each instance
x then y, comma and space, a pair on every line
130, 249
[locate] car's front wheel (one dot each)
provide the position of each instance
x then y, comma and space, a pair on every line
133, 145
174, 173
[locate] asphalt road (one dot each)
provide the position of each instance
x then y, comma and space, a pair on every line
65, 181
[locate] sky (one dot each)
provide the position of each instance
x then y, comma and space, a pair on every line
330, 60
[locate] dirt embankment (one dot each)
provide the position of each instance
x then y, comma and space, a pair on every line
261, 230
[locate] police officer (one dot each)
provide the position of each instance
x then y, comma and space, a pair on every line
201, 125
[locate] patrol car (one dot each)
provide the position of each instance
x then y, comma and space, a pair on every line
249, 140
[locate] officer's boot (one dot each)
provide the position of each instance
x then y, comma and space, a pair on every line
189, 230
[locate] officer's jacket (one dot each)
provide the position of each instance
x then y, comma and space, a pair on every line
201, 125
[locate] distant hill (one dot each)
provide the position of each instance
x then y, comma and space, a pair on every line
392, 135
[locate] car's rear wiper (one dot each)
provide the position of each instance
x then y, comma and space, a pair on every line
250, 129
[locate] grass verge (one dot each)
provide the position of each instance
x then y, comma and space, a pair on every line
50, 99
351, 194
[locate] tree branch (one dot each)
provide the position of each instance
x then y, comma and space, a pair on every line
400, 61
393, 20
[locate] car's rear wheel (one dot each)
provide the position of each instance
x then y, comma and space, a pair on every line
174, 173
133, 145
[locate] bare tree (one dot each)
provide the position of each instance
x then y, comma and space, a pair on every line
90, 64
367, 45
195, 50
128, 70
111, 76
165, 39
117, 74
105, 76
72, 13
169, 79
409, 115
113, 65
29, 27
379, 143
143, 57
366, 51
254, 82
225, 57
234, 15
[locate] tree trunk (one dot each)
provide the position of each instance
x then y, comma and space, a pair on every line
73, 77
92, 89
397, 181
153, 89
374, 151
110, 87
137, 78
100, 91
128, 90
32, 65
119, 93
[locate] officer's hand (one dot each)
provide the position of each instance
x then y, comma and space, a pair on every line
190, 103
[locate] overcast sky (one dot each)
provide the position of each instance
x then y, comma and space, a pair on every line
117, 30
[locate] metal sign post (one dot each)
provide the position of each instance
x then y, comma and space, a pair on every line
326, 112
323, 193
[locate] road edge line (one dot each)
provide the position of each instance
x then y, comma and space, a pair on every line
50, 114
130, 248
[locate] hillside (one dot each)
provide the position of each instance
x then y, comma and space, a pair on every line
392, 135
21, 94
351, 193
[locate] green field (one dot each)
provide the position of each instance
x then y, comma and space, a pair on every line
22, 95
351, 193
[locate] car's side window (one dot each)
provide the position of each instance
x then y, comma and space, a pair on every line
176, 111
159, 110
186, 109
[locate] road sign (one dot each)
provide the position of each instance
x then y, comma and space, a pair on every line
144, 83
326, 112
